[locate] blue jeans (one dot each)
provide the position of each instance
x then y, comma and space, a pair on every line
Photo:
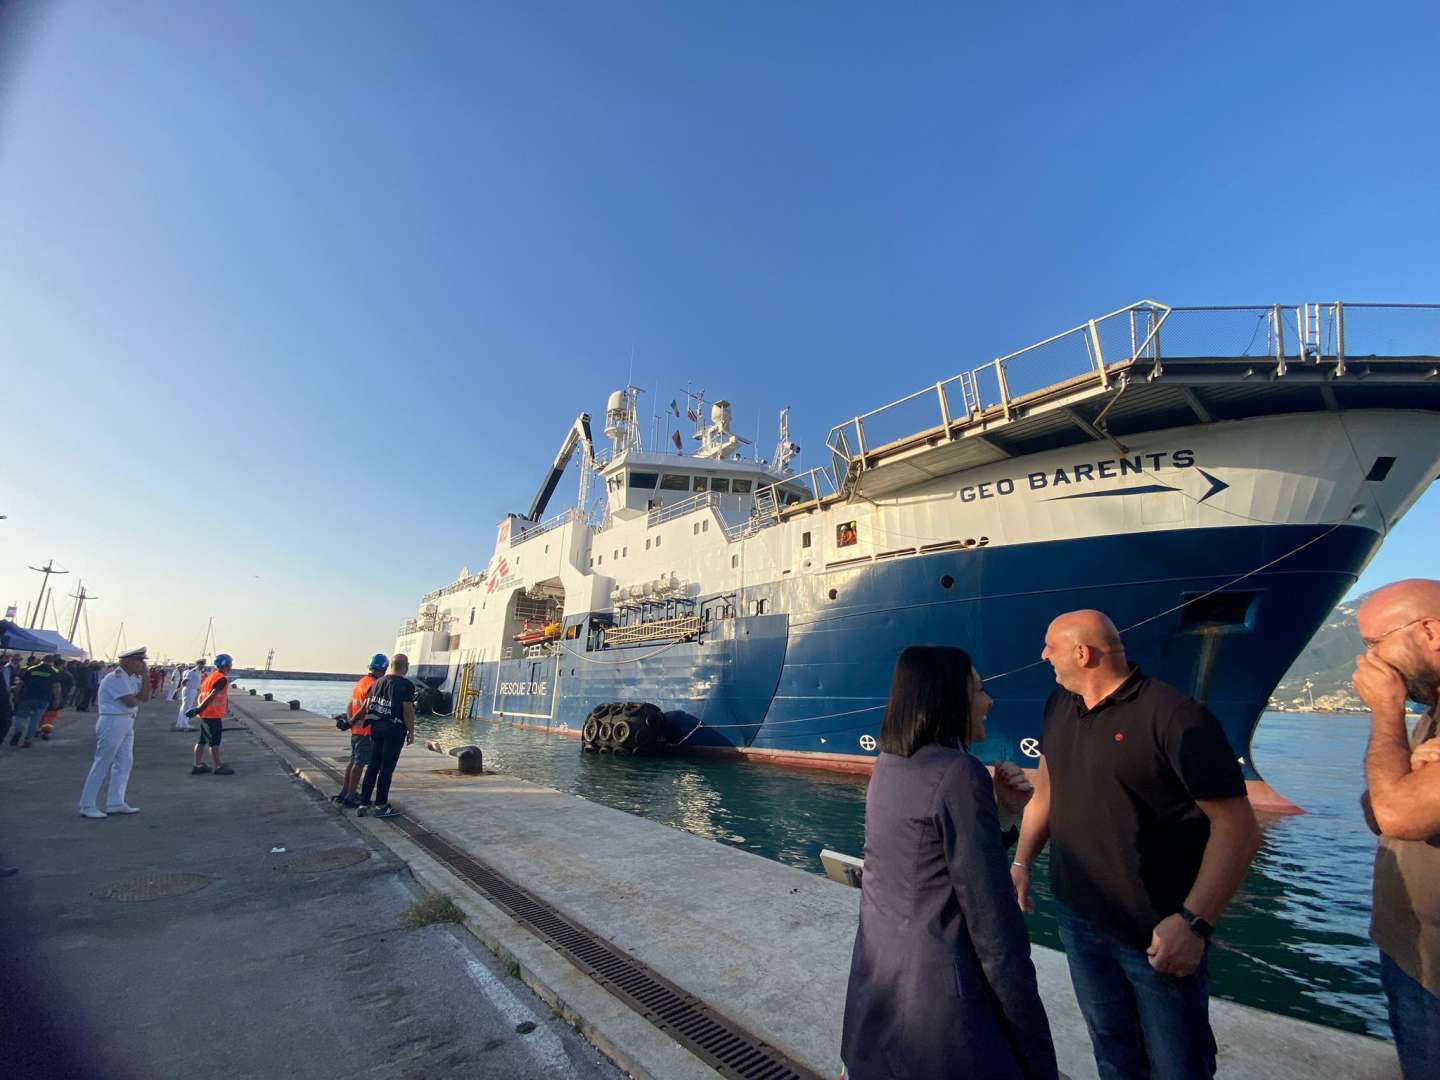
1415, 1020
27, 717
1143, 1024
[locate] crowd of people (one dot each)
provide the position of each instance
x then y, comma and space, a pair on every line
1142, 804
34, 690
37, 688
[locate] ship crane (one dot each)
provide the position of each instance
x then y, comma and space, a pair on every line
579, 434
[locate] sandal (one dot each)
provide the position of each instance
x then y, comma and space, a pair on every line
224, 770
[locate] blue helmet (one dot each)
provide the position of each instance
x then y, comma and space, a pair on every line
379, 662
223, 661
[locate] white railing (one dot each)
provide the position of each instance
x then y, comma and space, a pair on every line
680, 509
520, 533
1147, 331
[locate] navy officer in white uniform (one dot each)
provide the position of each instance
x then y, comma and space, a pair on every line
119, 698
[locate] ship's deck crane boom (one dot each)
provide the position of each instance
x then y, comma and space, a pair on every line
579, 434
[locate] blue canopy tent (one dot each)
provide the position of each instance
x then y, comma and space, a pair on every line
15, 639
40, 642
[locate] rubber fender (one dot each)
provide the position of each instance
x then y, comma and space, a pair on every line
622, 734
632, 708
591, 731
606, 733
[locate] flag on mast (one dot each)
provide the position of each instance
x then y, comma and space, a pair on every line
679, 446
674, 406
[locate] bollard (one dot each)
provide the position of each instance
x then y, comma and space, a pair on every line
294, 705
252, 693
269, 697
469, 760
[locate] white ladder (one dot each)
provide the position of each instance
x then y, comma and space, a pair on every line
765, 506
969, 393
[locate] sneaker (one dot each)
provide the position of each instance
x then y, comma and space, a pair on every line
386, 811
123, 808
91, 812
338, 797
198, 769
26, 744
363, 809
224, 770
350, 802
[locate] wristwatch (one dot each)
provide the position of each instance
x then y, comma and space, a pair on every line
1197, 924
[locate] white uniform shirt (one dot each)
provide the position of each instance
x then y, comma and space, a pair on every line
192, 687
115, 686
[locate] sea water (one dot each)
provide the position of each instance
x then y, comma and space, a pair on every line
1294, 940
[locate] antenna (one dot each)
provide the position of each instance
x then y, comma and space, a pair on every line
209, 637
119, 641
785, 450
47, 570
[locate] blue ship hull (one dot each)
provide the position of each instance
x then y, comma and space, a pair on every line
808, 685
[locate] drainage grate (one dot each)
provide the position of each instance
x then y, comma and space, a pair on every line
317, 862
723, 1045
152, 887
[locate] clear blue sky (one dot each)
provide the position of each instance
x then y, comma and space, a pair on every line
296, 300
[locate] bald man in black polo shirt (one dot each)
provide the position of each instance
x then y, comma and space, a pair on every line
1142, 801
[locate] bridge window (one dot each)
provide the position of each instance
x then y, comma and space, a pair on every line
720, 484
644, 480
734, 562
705, 525
740, 487
472, 616
671, 482
647, 545
700, 483
657, 541
805, 540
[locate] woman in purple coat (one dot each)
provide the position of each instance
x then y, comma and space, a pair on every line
941, 983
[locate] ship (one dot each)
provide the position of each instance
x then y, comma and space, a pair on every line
1213, 478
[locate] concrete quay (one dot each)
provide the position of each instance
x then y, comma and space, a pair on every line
765, 944
279, 963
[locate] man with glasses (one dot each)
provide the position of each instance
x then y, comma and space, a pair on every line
1400, 627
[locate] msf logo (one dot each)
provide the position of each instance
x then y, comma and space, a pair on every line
500, 572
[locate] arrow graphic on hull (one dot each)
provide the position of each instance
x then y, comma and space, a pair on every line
1216, 484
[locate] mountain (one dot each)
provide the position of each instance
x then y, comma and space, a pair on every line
1327, 662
